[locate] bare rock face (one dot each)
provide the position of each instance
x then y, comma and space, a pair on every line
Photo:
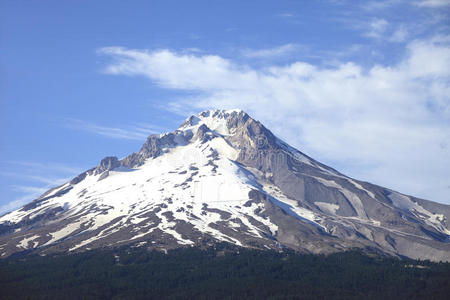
223, 176
108, 163
151, 148
154, 146
204, 133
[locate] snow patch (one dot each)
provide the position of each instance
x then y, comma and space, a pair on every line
290, 206
358, 186
327, 207
405, 203
25, 242
351, 197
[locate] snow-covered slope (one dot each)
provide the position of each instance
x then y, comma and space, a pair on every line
222, 176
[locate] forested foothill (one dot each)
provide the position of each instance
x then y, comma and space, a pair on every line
220, 272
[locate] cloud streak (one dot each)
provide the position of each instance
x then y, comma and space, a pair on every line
385, 124
30, 193
377, 28
433, 3
279, 51
137, 132
33, 179
17, 203
52, 167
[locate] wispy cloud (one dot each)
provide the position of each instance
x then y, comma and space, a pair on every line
32, 179
384, 31
381, 20
192, 50
52, 167
135, 132
30, 189
384, 117
43, 179
29, 193
377, 28
433, 3
279, 51
285, 15
16, 203
399, 35
380, 4
387, 4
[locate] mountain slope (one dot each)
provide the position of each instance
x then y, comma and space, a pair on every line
222, 176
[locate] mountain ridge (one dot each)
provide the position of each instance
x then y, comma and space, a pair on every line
223, 176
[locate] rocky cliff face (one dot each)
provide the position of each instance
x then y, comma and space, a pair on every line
223, 176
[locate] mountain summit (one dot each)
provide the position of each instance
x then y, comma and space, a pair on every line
223, 176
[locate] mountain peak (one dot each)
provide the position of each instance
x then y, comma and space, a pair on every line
218, 120
220, 113
223, 176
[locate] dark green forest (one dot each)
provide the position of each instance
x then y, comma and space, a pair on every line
220, 273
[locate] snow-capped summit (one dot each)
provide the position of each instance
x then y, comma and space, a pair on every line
223, 176
217, 120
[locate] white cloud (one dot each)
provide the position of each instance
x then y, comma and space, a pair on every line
433, 3
136, 132
386, 124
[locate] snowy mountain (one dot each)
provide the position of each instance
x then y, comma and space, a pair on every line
222, 176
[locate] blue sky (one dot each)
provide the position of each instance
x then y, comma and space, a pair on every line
361, 86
